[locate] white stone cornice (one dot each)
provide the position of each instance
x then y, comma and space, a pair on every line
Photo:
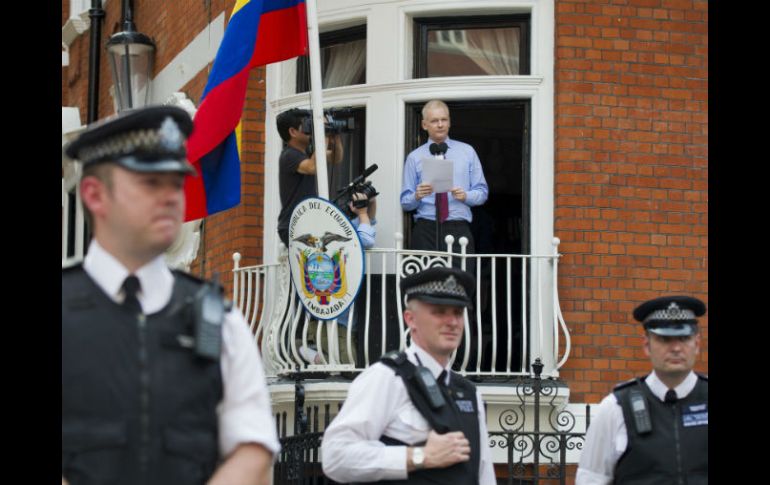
321, 391
78, 23
465, 87
74, 27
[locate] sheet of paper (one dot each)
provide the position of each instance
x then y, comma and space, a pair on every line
438, 173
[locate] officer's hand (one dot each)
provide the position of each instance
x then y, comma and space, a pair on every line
459, 194
423, 190
443, 450
64, 482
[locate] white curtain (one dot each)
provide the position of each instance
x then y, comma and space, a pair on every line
346, 63
496, 51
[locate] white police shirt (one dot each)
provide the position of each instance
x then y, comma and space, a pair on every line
378, 404
244, 413
607, 439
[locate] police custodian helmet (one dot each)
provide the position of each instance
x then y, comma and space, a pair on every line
671, 316
150, 139
440, 286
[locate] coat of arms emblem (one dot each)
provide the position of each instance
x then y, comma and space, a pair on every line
322, 275
326, 258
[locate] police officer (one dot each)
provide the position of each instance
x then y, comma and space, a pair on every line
654, 430
408, 418
161, 383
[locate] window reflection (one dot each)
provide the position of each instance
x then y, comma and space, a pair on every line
462, 52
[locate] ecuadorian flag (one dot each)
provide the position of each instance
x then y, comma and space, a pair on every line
259, 32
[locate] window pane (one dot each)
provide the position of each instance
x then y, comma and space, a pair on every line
352, 164
344, 64
343, 60
469, 52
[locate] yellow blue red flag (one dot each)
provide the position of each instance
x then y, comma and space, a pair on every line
259, 32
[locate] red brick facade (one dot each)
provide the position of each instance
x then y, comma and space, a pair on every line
631, 173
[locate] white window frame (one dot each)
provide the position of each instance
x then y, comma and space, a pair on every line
390, 87
77, 7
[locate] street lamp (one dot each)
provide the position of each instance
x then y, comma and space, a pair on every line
131, 54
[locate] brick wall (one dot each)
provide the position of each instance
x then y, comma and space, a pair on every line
631, 175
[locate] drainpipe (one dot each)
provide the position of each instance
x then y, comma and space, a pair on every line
96, 14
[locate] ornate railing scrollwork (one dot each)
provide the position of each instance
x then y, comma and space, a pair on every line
537, 450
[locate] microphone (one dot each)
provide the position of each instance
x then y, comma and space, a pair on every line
438, 149
369, 170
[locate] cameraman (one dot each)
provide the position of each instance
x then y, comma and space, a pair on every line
364, 219
296, 170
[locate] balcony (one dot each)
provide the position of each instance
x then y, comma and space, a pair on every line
515, 317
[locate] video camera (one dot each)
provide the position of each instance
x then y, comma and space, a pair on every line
357, 185
336, 120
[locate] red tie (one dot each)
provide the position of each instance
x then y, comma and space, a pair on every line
443, 206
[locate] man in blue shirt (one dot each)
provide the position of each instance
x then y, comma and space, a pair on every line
469, 186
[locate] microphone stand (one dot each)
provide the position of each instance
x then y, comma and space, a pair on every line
438, 150
435, 199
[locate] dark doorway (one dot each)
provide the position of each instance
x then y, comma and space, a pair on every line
499, 132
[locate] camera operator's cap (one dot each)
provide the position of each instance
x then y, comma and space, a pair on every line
671, 316
440, 286
148, 139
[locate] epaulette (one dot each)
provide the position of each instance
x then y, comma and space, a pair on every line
72, 263
705, 377
630, 382
395, 356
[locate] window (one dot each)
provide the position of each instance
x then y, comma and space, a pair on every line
352, 164
471, 46
343, 60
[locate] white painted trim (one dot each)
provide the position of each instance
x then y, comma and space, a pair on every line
315, 392
78, 22
189, 62
542, 168
78, 7
273, 147
478, 87
70, 120
74, 26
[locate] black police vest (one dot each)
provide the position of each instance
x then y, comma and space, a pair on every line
460, 413
675, 451
138, 405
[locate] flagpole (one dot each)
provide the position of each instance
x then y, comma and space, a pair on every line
316, 102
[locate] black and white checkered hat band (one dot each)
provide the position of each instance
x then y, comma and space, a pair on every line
673, 313
449, 287
167, 140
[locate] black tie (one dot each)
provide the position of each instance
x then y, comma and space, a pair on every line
670, 396
442, 378
130, 288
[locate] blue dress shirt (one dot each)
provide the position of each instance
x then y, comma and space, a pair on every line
467, 175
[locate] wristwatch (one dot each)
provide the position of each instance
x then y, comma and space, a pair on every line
418, 458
